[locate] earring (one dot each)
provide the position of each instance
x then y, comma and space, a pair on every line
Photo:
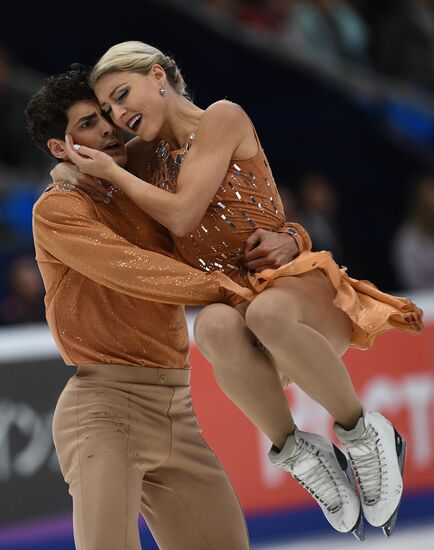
162, 90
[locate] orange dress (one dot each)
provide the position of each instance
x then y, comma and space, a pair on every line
248, 199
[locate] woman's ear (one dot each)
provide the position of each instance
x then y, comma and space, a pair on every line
57, 148
158, 72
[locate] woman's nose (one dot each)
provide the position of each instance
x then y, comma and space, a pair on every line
118, 114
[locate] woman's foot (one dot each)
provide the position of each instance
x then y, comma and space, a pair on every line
377, 453
324, 471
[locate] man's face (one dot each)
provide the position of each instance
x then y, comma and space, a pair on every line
88, 127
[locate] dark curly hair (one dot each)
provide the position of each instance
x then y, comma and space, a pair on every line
46, 112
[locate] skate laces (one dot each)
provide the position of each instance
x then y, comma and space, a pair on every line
318, 479
368, 465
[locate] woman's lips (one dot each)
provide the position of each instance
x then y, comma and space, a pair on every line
134, 122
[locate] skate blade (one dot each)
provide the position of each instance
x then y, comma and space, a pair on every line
389, 527
359, 529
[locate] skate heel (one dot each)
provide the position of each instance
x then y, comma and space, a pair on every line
359, 528
401, 446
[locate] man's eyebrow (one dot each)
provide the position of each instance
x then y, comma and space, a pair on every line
86, 118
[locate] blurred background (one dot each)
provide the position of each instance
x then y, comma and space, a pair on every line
342, 95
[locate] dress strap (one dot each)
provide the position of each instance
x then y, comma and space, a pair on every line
190, 141
179, 155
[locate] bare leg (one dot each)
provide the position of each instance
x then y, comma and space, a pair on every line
243, 371
305, 334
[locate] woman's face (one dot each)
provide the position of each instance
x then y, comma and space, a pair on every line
133, 101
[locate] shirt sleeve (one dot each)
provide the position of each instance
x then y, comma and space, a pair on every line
303, 240
66, 226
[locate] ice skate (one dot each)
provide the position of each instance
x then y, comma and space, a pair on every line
377, 453
324, 471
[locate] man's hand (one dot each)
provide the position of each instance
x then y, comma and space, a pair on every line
66, 172
265, 249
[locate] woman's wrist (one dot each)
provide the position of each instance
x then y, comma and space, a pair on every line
115, 175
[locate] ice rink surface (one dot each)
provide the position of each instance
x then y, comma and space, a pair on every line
420, 538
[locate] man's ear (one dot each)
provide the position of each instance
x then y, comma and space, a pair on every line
57, 147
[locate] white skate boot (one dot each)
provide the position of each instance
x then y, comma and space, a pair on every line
377, 453
325, 472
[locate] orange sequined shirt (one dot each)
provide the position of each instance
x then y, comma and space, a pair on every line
111, 297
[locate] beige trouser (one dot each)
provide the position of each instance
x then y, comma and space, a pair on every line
128, 442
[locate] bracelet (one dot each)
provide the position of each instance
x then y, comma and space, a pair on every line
297, 237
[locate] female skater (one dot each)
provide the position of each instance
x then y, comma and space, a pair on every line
210, 184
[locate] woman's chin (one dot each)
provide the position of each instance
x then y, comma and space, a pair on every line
147, 134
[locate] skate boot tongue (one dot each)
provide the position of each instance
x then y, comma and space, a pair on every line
366, 453
348, 435
304, 460
298, 454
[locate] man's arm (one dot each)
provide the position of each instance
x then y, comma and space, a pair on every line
66, 226
299, 233
272, 249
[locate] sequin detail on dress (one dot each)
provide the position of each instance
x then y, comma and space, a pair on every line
246, 199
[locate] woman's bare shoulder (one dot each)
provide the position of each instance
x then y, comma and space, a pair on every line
225, 116
225, 108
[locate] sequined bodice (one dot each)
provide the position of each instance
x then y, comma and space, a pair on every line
247, 199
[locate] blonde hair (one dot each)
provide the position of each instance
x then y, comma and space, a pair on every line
137, 57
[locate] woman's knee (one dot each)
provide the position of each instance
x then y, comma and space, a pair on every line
272, 313
275, 314
340, 333
216, 327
